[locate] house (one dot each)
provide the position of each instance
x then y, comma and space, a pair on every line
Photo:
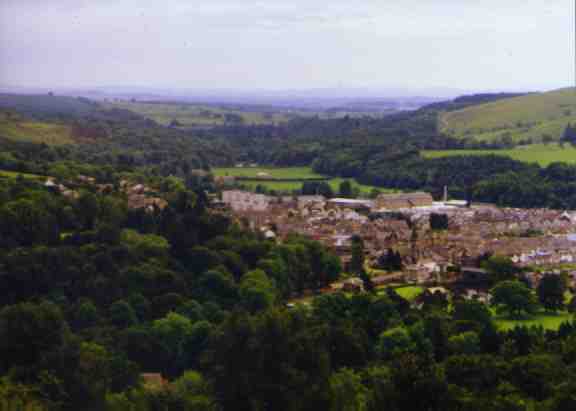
403, 200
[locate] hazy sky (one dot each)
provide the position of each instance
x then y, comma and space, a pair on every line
273, 44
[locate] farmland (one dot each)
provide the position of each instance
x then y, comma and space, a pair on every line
286, 179
543, 154
532, 117
191, 115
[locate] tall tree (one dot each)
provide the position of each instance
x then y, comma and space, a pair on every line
551, 292
514, 298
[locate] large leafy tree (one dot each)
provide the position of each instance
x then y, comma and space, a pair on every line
513, 298
551, 291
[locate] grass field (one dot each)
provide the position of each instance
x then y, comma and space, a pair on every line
409, 292
548, 321
188, 115
13, 174
296, 175
13, 127
280, 172
543, 154
533, 116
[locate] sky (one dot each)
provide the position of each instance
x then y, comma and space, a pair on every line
281, 45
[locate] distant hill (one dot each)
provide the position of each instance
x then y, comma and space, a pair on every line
534, 117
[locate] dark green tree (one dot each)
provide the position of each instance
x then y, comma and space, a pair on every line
551, 290
513, 298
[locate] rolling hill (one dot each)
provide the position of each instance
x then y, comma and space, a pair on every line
530, 118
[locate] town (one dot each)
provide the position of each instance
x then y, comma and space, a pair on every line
439, 242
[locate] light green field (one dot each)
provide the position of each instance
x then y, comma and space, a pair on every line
296, 175
548, 321
13, 127
410, 292
13, 174
196, 115
543, 154
280, 172
533, 116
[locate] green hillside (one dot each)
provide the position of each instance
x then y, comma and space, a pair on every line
17, 128
543, 154
533, 117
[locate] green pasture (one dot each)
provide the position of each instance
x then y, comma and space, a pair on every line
409, 292
543, 154
296, 176
546, 320
14, 174
273, 172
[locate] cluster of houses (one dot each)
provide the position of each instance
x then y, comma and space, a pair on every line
401, 222
138, 196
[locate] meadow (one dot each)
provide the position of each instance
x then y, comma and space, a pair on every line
543, 154
287, 179
546, 320
14, 174
409, 292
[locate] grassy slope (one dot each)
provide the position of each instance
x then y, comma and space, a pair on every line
535, 153
194, 115
531, 116
14, 127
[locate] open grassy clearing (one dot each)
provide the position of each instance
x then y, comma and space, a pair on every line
14, 127
296, 176
14, 174
280, 172
548, 321
533, 116
543, 154
409, 292
188, 115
